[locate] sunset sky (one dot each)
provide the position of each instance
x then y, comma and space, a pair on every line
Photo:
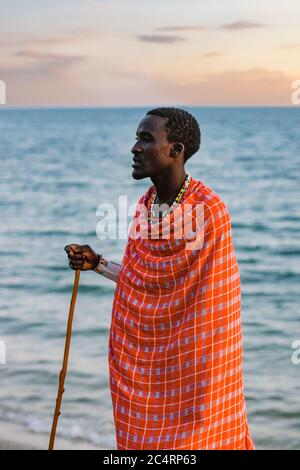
149, 52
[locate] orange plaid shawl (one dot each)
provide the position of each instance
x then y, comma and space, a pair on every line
175, 347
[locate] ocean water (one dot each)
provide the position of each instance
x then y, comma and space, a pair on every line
57, 166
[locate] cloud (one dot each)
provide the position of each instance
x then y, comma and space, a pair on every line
211, 55
159, 38
238, 25
40, 62
78, 35
31, 54
235, 26
253, 87
184, 28
291, 46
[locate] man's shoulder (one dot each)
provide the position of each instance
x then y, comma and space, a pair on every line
211, 200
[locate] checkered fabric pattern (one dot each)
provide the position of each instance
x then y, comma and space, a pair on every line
175, 346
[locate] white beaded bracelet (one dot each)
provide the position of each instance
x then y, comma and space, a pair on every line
100, 265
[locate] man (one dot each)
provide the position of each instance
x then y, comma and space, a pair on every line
175, 347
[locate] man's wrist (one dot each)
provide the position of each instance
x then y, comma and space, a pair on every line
98, 267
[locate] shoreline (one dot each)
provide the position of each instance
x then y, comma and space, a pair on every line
16, 437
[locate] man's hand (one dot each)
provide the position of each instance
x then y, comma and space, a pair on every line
82, 257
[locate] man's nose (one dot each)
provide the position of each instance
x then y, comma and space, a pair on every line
136, 148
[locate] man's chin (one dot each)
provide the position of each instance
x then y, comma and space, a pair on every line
138, 175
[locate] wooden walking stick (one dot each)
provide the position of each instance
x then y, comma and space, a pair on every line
63, 371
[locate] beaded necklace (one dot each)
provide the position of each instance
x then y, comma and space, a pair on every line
176, 202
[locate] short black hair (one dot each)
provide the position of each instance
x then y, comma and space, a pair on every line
181, 127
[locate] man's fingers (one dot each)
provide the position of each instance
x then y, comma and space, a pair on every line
77, 254
74, 247
70, 247
76, 268
75, 264
78, 248
75, 257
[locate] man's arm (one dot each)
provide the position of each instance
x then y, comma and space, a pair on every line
83, 257
109, 269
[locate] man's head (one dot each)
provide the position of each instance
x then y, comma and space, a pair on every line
166, 137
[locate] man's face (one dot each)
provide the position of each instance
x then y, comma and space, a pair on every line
152, 149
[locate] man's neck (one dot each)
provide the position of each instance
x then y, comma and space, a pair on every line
167, 187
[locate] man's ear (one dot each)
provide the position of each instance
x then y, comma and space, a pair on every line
177, 149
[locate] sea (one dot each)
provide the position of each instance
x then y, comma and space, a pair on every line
58, 165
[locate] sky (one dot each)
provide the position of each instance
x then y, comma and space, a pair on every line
149, 52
